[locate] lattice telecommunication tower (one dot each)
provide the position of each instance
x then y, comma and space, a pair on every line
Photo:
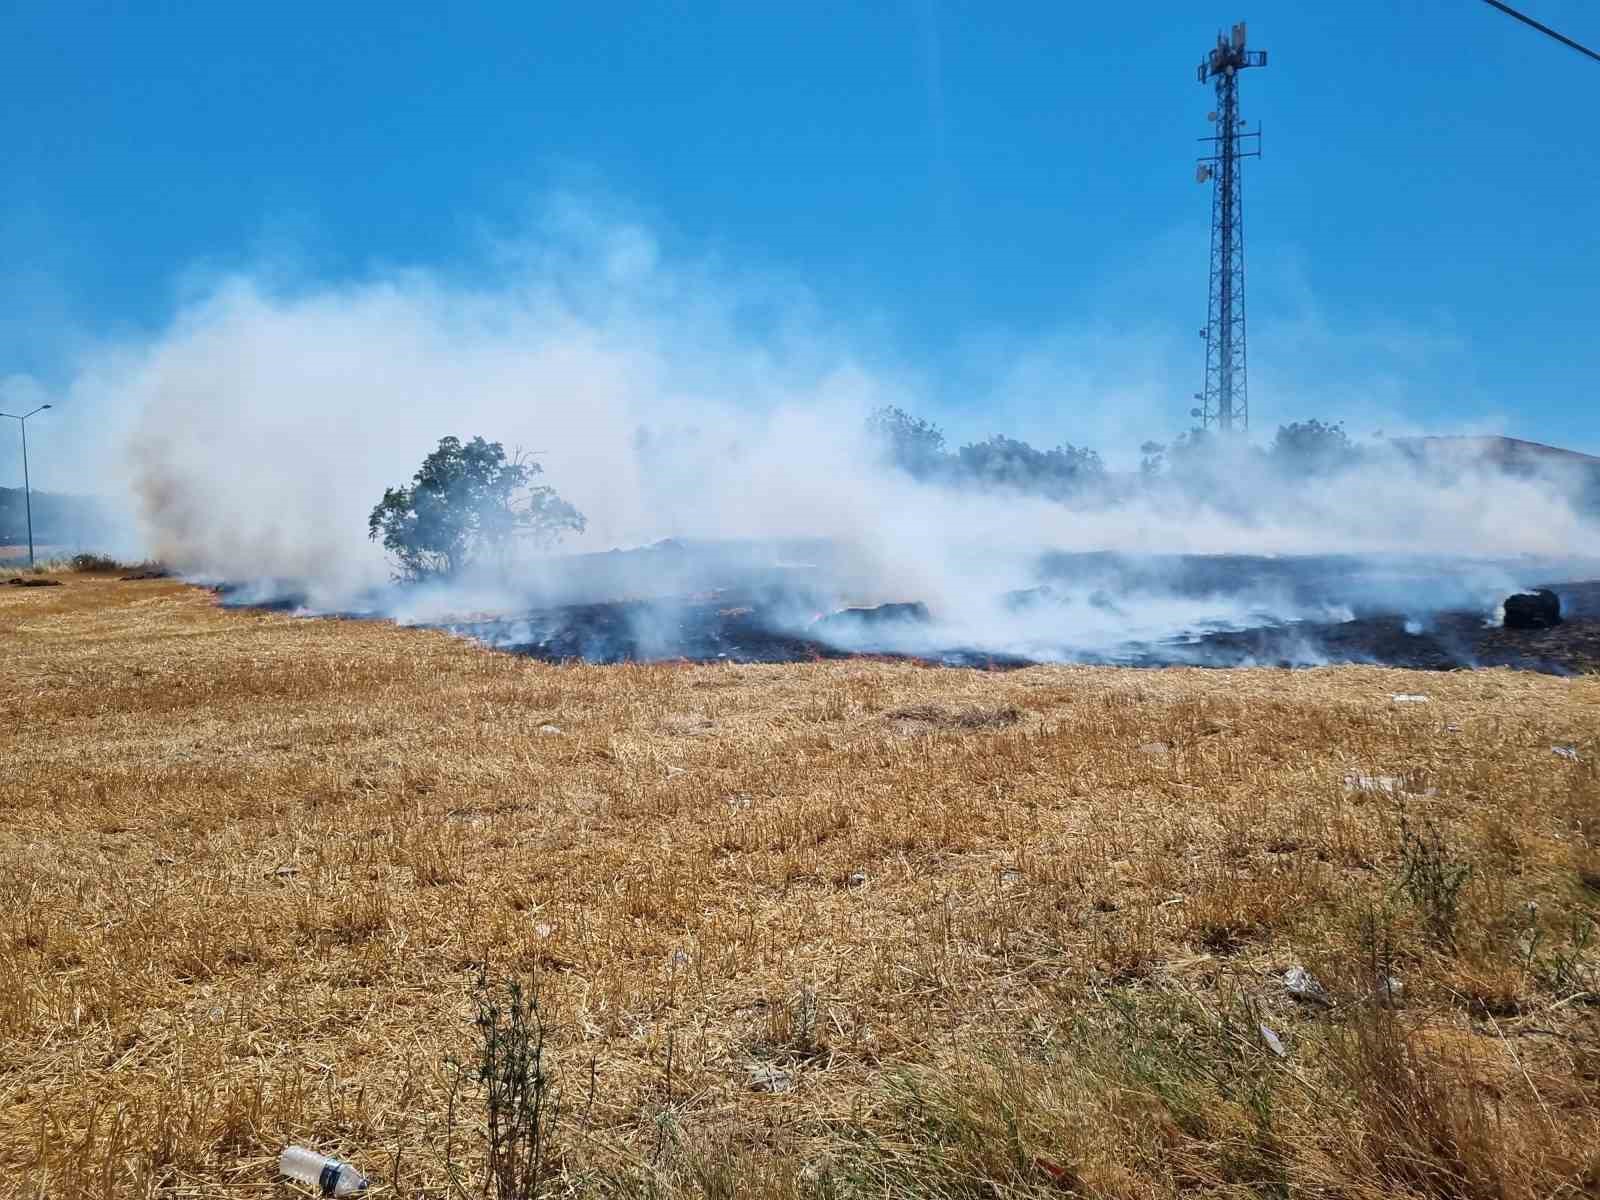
1225, 403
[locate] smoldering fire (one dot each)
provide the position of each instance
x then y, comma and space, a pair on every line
260, 427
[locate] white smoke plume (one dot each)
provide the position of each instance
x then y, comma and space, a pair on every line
257, 431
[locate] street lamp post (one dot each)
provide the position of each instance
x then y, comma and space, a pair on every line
27, 486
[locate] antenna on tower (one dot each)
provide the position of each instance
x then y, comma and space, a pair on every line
1225, 403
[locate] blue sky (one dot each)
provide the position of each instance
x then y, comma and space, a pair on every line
962, 180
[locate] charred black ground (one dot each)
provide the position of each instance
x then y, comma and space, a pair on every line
740, 605
740, 628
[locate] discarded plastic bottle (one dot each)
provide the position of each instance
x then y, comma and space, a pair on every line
329, 1175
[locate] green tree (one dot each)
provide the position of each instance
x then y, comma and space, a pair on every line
1009, 463
1192, 451
1152, 457
1313, 447
467, 500
914, 445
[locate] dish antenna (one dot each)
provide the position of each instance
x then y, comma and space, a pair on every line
1202, 172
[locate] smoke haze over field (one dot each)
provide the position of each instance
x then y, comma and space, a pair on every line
259, 429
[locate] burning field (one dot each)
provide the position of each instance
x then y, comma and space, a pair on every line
756, 602
853, 927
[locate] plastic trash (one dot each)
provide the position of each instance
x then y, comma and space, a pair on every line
1570, 753
1389, 785
1389, 990
765, 1079
1303, 985
1273, 1041
330, 1176
1408, 698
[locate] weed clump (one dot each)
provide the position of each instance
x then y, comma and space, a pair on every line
1433, 878
95, 564
520, 1104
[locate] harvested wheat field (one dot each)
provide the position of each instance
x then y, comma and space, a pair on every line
851, 929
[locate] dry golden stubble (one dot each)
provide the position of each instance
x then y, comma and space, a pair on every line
251, 867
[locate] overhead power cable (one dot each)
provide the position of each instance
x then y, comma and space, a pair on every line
1544, 29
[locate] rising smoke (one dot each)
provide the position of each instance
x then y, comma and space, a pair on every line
674, 401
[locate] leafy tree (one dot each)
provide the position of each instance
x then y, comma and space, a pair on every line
467, 499
914, 445
1007, 462
1312, 447
1152, 457
1194, 452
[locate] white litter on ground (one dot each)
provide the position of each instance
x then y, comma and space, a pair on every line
1274, 1043
1303, 985
1388, 785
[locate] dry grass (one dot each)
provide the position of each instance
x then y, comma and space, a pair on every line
846, 929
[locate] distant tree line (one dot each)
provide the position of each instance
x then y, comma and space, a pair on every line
912, 444
1298, 450
470, 501
917, 447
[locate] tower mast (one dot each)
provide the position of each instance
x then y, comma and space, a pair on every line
1225, 402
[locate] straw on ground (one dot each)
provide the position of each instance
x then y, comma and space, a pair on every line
850, 928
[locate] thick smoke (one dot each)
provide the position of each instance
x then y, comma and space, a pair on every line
673, 401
